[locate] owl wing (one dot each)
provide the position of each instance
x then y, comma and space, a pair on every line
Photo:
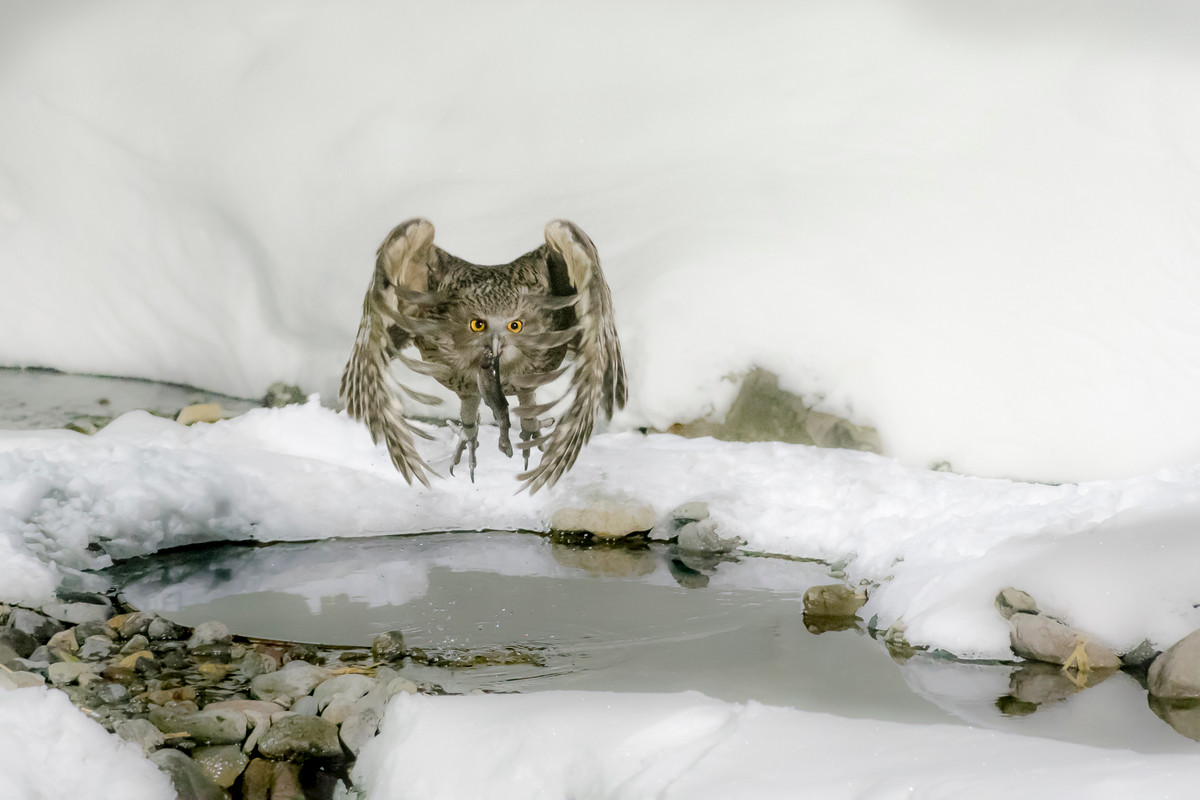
406, 265
599, 378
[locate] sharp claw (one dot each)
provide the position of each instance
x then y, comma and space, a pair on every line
468, 439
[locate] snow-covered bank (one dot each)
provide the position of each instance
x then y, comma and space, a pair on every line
599, 745
49, 751
1114, 557
971, 225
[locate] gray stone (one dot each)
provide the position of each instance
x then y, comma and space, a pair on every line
296, 679
76, 613
209, 633
259, 721
255, 663
43, 655
297, 738
7, 683
306, 705
141, 732
7, 653
65, 672
834, 600
359, 729
95, 648
694, 511
338, 710
1013, 601
285, 783
64, 641
136, 644
283, 394
1182, 714
605, 519
163, 628
85, 629
256, 783
350, 686
246, 706
1041, 638
30, 629
25, 680
1176, 673
129, 625
190, 781
388, 646
111, 693
402, 685
224, 763
220, 726
1140, 656
702, 537
22, 644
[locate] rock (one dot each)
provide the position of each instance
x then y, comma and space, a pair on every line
95, 648
202, 412
296, 679
694, 511
65, 672
24, 680
190, 781
209, 633
283, 394
257, 780
118, 674
162, 628
402, 685
260, 722
388, 646
834, 600
136, 644
338, 710
141, 732
30, 628
6, 683
607, 519
298, 737
64, 641
1013, 601
129, 625
358, 729
182, 694
111, 693
132, 660
306, 705
1140, 656
1041, 638
1181, 714
246, 706
1038, 683
701, 537
1176, 673
220, 726
223, 763
285, 783
255, 663
85, 629
76, 613
7, 653
350, 686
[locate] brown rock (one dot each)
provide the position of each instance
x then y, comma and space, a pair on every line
257, 780
1176, 673
1042, 638
287, 782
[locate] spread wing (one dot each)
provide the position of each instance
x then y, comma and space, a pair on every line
391, 317
598, 382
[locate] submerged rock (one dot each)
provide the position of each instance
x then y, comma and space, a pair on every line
1176, 673
190, 781
834, 600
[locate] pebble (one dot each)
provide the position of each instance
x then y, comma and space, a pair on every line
350, 686
299, 737
257, 780
296, 679
110, 693
25, 680
163, 628
1176, 673
401, 685
31, 623
141, 732
65, 672
338, 710
285, 782
189, 779
388, 646
95, 648
306, 705
359, 729
76, 613
255, 663
7, 683
224, 763
702, 537
209, 633
137, 643
1014, 601
259, 721
834, 600
64, 641
129, 625
222, 726
247, 706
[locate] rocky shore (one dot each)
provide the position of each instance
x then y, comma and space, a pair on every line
227, 718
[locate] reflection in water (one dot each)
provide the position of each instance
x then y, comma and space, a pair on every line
1182, 715
519, 612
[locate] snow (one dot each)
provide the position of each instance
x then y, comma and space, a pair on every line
689, 746
49, 750
969, 228
971, 225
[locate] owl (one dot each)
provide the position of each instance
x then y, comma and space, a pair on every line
488, 333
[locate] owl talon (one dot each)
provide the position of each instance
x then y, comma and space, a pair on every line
468, 440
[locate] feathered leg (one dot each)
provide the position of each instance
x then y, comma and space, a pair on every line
470, 433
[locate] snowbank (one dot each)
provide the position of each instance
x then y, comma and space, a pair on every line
970, 225
1113, 557
49, 750
600, 745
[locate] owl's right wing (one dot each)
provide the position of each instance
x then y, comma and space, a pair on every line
399, 288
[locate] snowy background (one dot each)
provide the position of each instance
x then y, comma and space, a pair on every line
972, 225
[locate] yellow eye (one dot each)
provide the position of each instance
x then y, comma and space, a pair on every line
478, 325
515, 326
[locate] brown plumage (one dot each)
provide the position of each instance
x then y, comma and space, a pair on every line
485, 333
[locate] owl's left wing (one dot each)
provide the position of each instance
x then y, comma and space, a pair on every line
599, 381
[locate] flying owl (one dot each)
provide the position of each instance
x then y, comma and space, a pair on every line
486, 333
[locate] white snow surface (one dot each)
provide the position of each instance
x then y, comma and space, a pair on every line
970, 224
1113, 557
624, 746
49, 751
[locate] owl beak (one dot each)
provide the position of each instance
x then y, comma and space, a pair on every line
492, 391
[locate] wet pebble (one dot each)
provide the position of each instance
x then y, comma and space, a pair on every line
359, 729
209, 633
65, 672
349, 686
163, 628
141, 732
64, 641
224, 763
136, 643
189, 779
95, 648
76, 613
834, 600
299, 737
296, 679
388, 646
222, 726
